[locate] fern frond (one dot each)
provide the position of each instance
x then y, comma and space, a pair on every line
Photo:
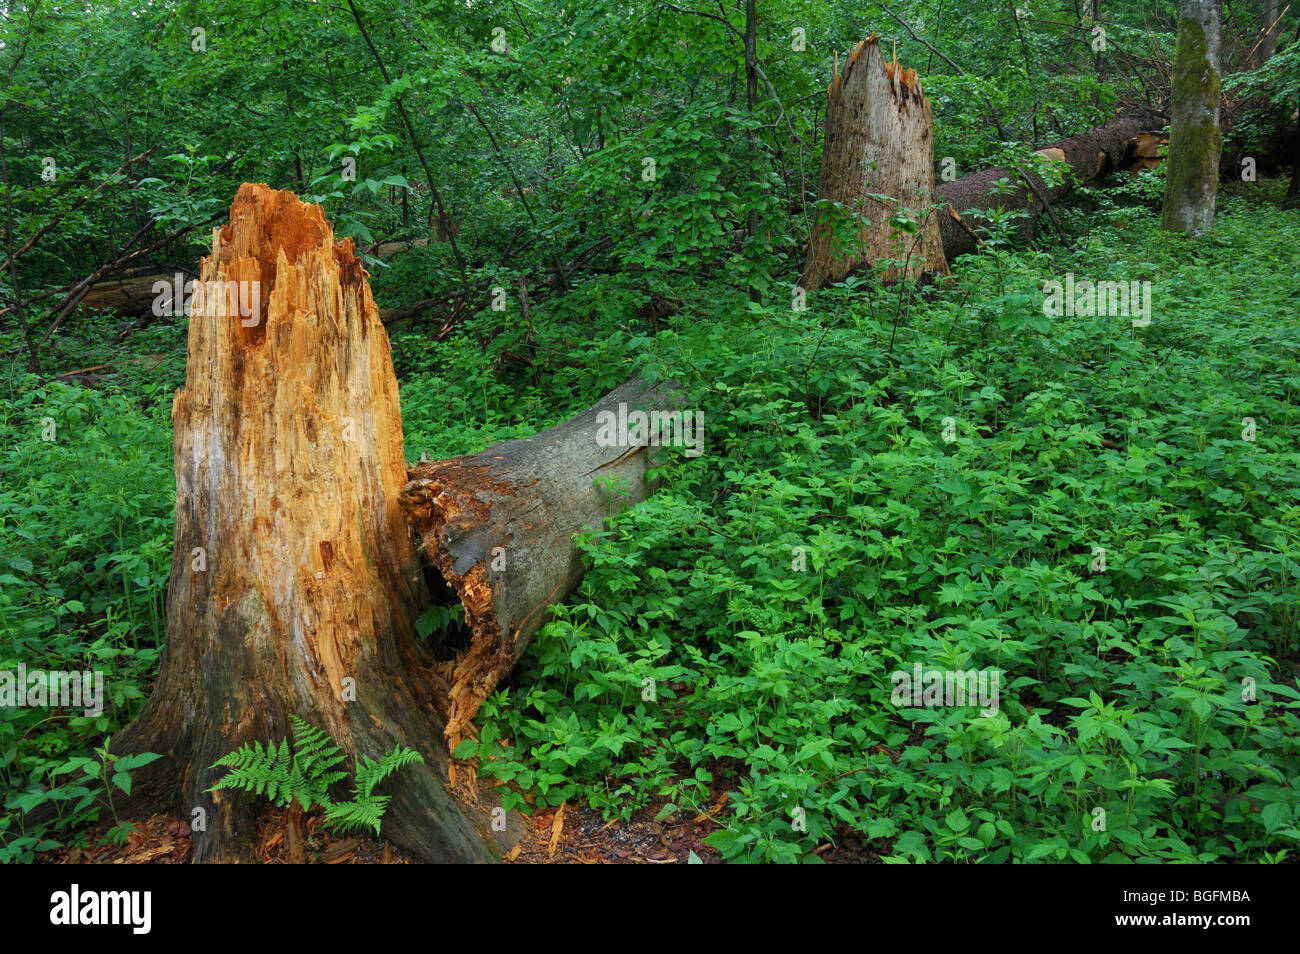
366, 813
314, 755
306, 773
370, 773
261, 771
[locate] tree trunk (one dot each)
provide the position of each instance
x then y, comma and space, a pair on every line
751, 99
1292, 200
1097, 62
295, 582
1090, 155
500, 525
1195, 142
879, 142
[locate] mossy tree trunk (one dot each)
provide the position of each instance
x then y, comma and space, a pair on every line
1195, 141
295, 581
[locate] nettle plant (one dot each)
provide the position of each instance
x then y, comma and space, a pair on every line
680, 194
85, 541
1069, 502
76, 792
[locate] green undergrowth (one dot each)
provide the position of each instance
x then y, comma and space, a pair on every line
85, 548
1100, 532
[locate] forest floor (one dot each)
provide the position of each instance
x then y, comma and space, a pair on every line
567, 835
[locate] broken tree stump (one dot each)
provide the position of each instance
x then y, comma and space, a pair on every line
877, 166
295, 582
500, 525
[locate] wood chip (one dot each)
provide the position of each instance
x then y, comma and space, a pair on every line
557, 826
340, 851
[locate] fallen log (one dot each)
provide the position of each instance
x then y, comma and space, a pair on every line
139, 292
1089, 155
130, 294
499, 525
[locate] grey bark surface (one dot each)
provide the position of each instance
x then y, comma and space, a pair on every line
1195, 140
528, 497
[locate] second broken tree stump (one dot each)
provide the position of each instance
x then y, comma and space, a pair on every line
878, 168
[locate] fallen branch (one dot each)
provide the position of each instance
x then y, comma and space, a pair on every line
1088, 155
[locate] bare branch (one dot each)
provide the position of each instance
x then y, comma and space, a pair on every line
709, 16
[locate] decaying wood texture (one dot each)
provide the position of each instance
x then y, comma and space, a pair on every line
500, 527
295, 581
877, 165
1147, 152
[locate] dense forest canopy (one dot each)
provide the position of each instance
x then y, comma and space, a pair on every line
949, 473
518, 137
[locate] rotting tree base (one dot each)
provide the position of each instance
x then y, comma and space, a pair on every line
878, 167
423, 816
295, 582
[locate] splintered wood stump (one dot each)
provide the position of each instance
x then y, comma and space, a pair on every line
500, 525
879, 143
295, 581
